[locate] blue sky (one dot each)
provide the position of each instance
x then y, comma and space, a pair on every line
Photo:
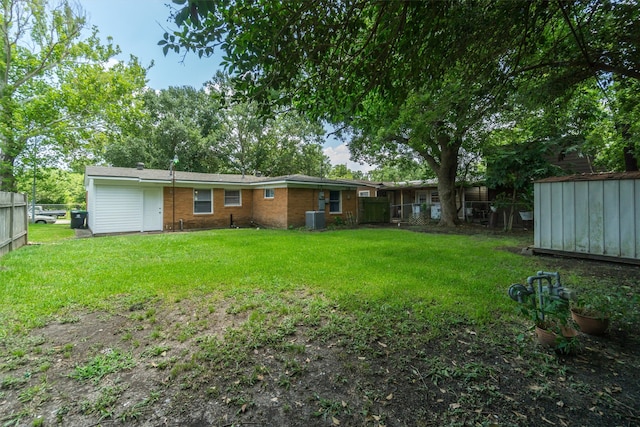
137, 26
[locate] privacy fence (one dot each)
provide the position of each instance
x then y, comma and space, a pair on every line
13, 221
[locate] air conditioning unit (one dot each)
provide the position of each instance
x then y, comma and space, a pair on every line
314, 220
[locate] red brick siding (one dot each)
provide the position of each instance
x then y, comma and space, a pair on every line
270, 212
287, 209
303, 200
220, 218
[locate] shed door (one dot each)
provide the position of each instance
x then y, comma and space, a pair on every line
152, 209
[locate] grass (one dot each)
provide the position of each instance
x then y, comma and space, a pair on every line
431, 273
342, 325
103, 364
49, 233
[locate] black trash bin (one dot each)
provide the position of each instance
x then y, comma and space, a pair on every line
79, 219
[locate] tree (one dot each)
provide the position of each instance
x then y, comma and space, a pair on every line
282, 144
401, 169
437, 125
210, 133
55, 88
178, 121
625, 115
330, 57
335, 60
342, 171
55, 186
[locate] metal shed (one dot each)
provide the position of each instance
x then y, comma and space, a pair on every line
591, 215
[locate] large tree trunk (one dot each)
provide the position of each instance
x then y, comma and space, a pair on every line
446, 174
628, 152
630, 160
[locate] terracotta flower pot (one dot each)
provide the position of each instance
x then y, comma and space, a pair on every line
549, 338
545, 337
589, 324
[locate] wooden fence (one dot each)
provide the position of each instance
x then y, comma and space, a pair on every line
13, 221
374, 210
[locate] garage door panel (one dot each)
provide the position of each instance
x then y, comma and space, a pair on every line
117, 209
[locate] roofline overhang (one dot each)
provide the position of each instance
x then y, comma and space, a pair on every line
228, 184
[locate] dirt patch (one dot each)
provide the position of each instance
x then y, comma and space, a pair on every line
299, 360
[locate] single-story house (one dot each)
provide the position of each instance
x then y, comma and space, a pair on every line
121, 200
419, 201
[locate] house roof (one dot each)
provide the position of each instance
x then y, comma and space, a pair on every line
410, 184
593, 177
160, 175
306, 179
166, 177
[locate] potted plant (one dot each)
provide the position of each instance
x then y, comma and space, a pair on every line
592, 311
552, 323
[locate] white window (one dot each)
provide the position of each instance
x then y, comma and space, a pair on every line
364, 193
232, 198
335, 202
269, 193
202, 201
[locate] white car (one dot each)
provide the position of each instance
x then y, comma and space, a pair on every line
43, 219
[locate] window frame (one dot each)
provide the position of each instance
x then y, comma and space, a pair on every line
332, 201
435, 197
197, 202
239, 203
272, 191
364, 193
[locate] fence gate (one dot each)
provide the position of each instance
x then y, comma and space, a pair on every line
13, 221
374, 210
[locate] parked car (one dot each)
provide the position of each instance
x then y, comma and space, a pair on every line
57, 213
43, 219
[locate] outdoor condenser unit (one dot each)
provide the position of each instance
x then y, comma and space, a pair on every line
314, 220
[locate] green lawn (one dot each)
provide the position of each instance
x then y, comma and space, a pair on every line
430, 273
344, 327
49, 233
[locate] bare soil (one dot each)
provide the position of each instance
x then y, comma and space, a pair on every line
191, 363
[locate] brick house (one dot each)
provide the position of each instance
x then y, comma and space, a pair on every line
121, 200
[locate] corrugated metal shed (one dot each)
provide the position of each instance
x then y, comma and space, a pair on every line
589, 215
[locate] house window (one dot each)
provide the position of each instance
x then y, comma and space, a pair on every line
269, 193
202, 201
232, 198
364, 193
421, 197
435, 198
335, 202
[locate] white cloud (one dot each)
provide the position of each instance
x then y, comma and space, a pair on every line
339, 155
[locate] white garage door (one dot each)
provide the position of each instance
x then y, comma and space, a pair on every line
117, 209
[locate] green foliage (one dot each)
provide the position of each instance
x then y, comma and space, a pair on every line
413, 79
209, 132
516, 166
178, 121
616, 302
110, 361
53, 186
400, 169
57, 99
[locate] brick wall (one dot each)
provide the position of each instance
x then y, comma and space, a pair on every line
300, 200
287, 209
270, 212
220, 218
303, 200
